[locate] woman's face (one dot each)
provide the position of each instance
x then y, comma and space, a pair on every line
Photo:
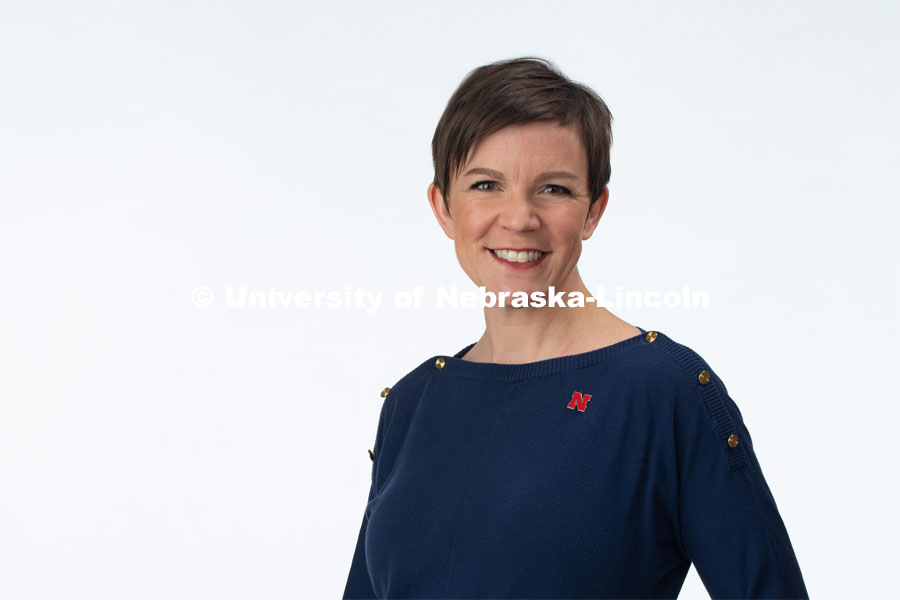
519, 209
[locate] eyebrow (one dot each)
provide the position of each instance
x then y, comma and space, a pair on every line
499, 175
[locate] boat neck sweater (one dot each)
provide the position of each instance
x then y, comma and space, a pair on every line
604, 474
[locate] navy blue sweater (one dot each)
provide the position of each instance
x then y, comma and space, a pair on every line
597, 475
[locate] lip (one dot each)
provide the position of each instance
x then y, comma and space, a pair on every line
517, 266
518, 249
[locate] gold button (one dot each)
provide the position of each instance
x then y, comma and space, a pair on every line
732, 441
371, 455
704, 377
440, 362
651, 335
385, 392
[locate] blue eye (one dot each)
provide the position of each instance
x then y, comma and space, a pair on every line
565, 191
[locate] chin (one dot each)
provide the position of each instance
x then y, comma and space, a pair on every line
512, 288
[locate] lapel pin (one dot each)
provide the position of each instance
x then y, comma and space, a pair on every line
580, 400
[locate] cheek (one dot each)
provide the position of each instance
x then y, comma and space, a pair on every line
471, 227
569, 232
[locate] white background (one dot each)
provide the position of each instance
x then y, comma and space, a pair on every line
153, 449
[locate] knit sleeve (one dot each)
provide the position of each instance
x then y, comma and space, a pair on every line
730, 525
359, 583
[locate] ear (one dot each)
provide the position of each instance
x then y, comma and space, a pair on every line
594, 214
441, 212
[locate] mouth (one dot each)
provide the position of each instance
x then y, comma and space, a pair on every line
525, 257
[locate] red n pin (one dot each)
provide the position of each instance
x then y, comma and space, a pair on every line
580, 400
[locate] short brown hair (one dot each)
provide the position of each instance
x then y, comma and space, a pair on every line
514, 91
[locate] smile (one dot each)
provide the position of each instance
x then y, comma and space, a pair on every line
519, 258
518, 255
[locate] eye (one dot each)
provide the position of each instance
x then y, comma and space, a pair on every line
475, 185
564, 190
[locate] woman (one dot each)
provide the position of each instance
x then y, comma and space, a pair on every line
566, 453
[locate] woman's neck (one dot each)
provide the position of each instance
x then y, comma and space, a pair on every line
524, 335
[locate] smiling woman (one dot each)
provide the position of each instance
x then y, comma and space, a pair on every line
522, 230
566, 453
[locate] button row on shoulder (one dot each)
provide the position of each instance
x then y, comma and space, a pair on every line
704, 377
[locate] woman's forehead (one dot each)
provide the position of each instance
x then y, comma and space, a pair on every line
528, 147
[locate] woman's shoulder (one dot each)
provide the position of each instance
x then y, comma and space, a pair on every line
677, 360
414, 381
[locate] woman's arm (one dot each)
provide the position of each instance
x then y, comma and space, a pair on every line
730, 525
359, 585
359, 582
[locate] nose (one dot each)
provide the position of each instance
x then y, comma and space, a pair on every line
518, 213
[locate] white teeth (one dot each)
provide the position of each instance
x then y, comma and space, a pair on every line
520, 257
